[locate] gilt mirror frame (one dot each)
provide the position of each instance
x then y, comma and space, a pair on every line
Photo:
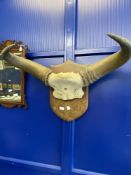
17, 98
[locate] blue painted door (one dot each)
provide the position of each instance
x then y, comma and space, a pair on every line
35, 141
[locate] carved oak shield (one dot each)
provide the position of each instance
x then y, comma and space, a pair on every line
69, 110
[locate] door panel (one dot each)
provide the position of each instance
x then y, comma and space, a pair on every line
30, 130
36, 23
99, 17
102, 138
32, 134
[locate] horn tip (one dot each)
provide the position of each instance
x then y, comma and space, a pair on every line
111, 35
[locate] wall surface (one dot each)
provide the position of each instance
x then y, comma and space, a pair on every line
35, 141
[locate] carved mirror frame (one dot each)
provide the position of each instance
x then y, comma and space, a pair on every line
12, 99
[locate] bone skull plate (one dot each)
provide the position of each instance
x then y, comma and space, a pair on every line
68, 81
67, 86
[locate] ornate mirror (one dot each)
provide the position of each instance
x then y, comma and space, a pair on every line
12, 78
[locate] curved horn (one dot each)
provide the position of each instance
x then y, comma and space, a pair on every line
39, 71
110, 63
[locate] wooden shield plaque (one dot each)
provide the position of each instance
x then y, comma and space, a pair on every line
70, 109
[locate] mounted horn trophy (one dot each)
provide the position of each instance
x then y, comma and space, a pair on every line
68, 81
